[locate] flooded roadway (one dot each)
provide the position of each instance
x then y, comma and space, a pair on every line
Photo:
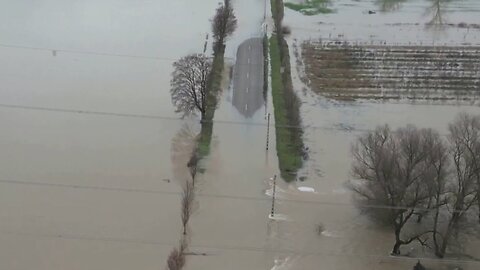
248, 77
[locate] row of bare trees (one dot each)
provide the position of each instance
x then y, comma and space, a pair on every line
424, 186
176, 259
190, 91
190, 78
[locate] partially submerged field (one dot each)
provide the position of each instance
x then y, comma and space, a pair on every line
344, 70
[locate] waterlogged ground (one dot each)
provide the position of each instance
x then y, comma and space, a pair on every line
349, 240
411, 22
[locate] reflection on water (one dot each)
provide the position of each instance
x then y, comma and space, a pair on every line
437, 10
389, 5
182, 147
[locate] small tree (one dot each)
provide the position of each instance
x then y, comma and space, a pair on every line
437, 9
189, 84
188, 196
224, 24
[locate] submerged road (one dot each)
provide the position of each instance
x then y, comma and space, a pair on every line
248, 77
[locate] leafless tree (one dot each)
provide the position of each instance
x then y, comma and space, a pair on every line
192, 166
188, 196
183, 151
436, 171
437, 10
462, 192
224, 24
189, 84
467, 128
393, 170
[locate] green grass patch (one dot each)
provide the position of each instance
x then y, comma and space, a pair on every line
311, 7
288, 145
265, 67
204, 139
273, 6
214, 86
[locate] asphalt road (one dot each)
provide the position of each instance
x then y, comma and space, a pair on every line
248, 78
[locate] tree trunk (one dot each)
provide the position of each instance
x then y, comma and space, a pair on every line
396, 248
435, 231
441, 252
478, 201
398, 242
446, 237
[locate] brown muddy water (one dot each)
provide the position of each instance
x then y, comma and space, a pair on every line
90, 174
87, 180
349, 240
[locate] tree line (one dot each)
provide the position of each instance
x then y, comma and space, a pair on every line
190, 92
424, 186
189, 83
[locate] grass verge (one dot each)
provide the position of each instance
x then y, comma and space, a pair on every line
289, 141
311, 7
265, 68
214, 86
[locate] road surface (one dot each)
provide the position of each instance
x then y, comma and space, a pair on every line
248, 77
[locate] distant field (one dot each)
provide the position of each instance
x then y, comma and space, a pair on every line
347, 71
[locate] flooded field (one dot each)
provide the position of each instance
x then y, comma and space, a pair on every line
347, 71
400, 22
93, 155
331, 125
403, 50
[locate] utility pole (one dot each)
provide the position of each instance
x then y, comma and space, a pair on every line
273, 195
265, 11
268, 128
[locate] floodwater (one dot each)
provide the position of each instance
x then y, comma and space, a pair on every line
87, 126
419, 22
349, 240
92, 151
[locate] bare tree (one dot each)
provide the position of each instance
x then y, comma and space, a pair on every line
188, 196
462, 191
437, 9
415, 172
189, 84
192, 166
393, 169
183, 151
224, 24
